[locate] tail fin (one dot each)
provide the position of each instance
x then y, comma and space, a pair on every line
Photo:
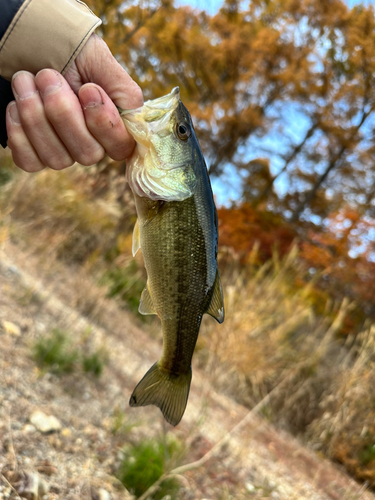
169, 391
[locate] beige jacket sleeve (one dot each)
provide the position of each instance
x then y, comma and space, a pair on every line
45, 34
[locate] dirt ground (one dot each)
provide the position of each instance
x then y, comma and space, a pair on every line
79, 459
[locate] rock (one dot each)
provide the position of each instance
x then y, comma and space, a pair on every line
100, 494
28, 485
5, 492
104, 495
55, 441
47, 468
45, 423
14, 270
66, 432
11, 328
29, 429
40, 327
250, 487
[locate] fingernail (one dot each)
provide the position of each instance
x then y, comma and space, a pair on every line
13, 113
48, 81
24, 85
90, 97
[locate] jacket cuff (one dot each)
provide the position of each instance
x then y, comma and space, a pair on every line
45, 34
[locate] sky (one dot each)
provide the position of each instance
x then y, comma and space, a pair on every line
212, 6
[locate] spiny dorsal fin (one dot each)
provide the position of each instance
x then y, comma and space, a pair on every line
216, 308
146, 305
136, 239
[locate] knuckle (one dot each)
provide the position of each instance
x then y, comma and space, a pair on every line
58, 162
23, 154
138, 94
10, 143
31, 114
90, 157
117, 156
121, 151
134, 95
16, 145
59, 110
26, 163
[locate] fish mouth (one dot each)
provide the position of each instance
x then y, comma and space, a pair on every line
154, 109
167, 102
158, 112
155, 114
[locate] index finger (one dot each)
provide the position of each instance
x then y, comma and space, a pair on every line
104, 122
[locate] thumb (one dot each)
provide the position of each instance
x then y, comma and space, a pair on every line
96, 64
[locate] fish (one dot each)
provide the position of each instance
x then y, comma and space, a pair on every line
177, 232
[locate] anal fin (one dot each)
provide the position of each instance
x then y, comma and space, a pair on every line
216, 307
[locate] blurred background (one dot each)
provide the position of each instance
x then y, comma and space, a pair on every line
282, 95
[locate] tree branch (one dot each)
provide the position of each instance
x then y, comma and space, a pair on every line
331, 165
140, 24
297, 149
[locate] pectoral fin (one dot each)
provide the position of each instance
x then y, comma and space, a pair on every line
146, 305
153, 211
216, 308
136, 239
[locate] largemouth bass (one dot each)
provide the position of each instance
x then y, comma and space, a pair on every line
177, 231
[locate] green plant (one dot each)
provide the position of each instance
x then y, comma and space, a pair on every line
126, 283
27, 295
94, 363
121, 423
367, 455
54, 353
6, 168
5, 176
144, 463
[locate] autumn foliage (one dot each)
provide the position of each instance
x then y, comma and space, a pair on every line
243, 227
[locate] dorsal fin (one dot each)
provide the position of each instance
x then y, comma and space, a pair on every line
136, 239
146, 305
216, 308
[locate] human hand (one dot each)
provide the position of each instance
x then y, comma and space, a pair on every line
56, 121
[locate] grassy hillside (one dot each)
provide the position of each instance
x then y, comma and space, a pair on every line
275, 348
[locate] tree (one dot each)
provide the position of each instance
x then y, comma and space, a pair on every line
281, 91
291, 79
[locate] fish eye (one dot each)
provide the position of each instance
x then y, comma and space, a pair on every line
183, 131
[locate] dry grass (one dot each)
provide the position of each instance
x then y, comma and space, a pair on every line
272, 334
58, 208
269, 330
345, 430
